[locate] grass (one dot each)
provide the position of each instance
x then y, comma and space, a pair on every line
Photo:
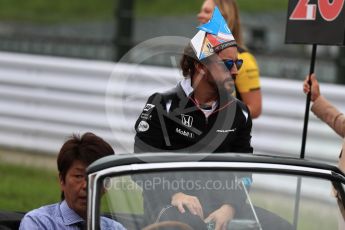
43, 11
262, 5
61, 11
24, 188
192, 7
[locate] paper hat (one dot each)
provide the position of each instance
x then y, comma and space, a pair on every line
212, 37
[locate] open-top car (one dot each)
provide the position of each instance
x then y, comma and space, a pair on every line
266, 192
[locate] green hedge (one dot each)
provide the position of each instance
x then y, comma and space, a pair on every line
24, 188
62, 11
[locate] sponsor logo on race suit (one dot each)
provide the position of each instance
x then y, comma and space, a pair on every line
187, 120
148, 108
146, 114
226, 130
143, 126
184, 133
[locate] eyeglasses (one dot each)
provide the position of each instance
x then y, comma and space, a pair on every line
230, 63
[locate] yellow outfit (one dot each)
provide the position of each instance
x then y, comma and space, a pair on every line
248, 77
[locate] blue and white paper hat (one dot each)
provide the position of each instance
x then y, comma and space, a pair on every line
212, 37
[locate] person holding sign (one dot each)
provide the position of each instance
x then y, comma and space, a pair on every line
324, 110
247, 82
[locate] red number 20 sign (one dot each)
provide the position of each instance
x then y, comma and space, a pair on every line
329, 10
316, 22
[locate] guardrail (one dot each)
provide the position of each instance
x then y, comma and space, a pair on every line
43, 100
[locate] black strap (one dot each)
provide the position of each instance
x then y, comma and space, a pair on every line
169, 94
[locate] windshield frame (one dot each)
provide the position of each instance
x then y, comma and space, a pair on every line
95, 178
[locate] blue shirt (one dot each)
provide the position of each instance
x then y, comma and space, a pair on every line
60, 217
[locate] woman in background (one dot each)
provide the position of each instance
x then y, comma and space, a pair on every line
247, 82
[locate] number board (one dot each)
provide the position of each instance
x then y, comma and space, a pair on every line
316, 22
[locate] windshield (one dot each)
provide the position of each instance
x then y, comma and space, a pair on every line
258, 200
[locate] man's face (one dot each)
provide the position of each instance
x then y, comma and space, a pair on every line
218, 74
74, 188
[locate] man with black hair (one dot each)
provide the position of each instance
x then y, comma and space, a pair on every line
75, 156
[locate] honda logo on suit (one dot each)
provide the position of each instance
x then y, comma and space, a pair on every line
187, 120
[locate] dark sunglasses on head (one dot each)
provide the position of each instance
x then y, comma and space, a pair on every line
230, 63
